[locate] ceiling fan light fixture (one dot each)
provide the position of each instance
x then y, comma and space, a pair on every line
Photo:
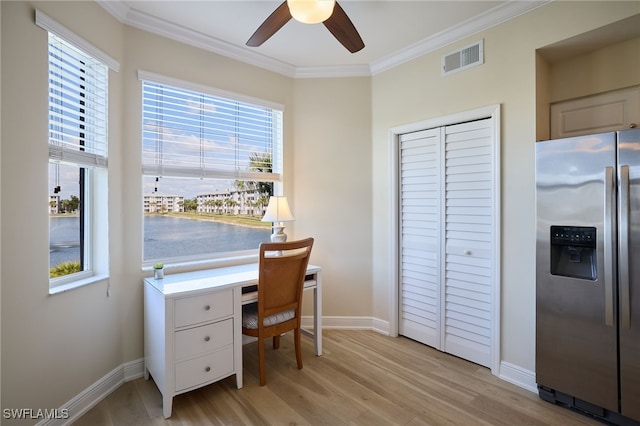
311, 11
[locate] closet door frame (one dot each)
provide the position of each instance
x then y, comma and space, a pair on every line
493, 113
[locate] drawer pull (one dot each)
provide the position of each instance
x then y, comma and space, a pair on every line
206, 339
207, 369
207, 307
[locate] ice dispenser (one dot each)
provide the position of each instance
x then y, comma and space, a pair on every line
573, 252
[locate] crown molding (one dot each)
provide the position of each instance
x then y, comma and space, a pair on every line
151, 24
116, 8
489, 19
472, 26
333, 71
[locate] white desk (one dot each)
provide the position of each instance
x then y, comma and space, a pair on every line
193, 326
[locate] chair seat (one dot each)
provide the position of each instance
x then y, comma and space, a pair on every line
250, 317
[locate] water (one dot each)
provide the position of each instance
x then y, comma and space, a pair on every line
64, 243
164, 237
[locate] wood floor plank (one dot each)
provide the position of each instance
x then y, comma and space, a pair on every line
98, 415
422, 394
363, 378
127, 408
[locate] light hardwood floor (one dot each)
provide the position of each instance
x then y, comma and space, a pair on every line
363, 378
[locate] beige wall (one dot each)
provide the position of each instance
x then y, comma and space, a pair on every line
415, 91
52, 346
337, 176
0, 214
332, 187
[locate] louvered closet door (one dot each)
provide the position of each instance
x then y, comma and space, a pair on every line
469, 240
420, 236
447, 240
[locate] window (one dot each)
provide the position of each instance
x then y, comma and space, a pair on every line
78, 93
210, 161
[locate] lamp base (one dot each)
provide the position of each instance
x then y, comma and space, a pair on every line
278, 235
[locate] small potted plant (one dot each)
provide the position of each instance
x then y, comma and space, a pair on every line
158, 271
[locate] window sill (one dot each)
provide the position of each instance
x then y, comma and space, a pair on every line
63, 288
194, 265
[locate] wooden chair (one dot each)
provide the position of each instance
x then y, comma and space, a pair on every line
282, 270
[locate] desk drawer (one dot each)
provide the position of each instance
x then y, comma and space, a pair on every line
203, 339
204, 369
203, 308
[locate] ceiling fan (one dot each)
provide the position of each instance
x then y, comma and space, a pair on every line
329, 12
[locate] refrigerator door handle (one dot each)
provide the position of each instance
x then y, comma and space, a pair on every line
623, 248
609, 206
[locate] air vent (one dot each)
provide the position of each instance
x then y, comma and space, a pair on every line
464, 58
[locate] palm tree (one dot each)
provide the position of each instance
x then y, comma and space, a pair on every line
262, 202
190, 205
72, 204
241, 187
210, 203
230, 203
262, 163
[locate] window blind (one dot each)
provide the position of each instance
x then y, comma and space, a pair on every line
77, 106
188, 133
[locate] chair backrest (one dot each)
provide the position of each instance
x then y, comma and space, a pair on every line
283, 267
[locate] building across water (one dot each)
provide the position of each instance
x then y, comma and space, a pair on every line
159, 203
246, 202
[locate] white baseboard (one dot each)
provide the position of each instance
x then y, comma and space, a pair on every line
132, 370
349, 323
526, 379
95, 393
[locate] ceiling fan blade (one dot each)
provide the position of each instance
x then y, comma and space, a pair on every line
343, 29
271, 25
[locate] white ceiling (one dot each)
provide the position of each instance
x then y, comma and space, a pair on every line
393, 31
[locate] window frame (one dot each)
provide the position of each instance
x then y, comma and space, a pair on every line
94, 199
96, 242
212, 259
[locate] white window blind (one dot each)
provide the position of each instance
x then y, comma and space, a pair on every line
189, 133
77, 106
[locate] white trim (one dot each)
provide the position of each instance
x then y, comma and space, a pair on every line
496, 329
348, 323
73, 281
521, 377
91, 396
188, 85
117, 9
381, 327
492, 112
394, 215
53, 26
133, 369
361, 70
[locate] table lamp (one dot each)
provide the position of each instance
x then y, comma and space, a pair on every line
277, 212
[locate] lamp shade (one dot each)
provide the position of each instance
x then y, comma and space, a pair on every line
311, 11
278, 210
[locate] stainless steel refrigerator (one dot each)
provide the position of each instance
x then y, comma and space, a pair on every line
588, 274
